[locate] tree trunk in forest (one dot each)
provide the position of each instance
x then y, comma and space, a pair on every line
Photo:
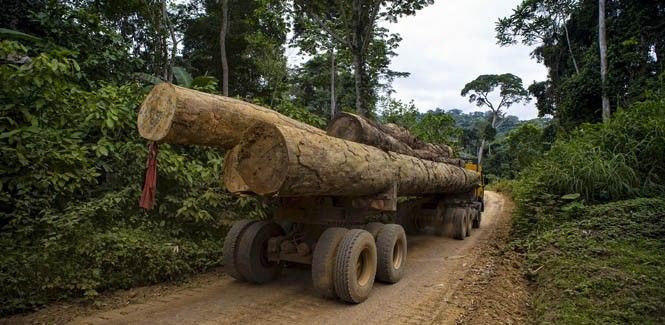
359, 76
333, 69
570, 48
286, 161
222, 47
602, 42
481, 150
180, 115
174, 46
388, 137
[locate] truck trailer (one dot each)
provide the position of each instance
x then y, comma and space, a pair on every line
327, 189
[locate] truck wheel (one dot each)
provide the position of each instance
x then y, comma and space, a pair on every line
230, 249
373, 228
355, 266
468, 213
391, 249
459, 224
323, 260
410, 223
252, 260
477, 218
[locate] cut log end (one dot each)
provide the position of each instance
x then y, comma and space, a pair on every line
157, 112
346, 127
263, 159
231, 178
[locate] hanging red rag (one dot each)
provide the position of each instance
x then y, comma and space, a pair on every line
150, 185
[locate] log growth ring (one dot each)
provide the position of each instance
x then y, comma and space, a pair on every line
157, 112
263, 158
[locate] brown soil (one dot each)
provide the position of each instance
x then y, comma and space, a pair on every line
447, 281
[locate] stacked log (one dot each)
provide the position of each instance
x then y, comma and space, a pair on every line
271, 154
286, 161
180, 115
390, 137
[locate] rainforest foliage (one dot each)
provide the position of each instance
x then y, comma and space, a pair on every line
74, 72
590, 219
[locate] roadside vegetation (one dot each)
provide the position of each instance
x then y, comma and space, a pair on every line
591, 222
589, 189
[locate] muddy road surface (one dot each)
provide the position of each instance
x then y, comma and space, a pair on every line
435, 271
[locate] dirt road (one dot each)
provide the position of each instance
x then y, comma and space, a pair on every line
436, 268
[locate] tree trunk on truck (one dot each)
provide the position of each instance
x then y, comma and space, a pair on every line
390, 137
286, 161
179, 115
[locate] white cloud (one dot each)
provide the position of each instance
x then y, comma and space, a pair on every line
450, 43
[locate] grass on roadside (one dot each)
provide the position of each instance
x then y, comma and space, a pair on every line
599, 264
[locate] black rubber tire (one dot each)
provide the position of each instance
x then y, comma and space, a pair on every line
374, 228
468, 213
391, 249
323, 261
252, 260
477, 219
230, 251
357, 246
459, 223
408, 222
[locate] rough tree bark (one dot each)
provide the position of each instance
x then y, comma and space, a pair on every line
286, 161
602, 42
388, 137
426, 150
179, 115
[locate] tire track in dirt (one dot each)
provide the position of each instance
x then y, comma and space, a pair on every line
436, 267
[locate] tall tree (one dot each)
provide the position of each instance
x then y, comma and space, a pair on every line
222, 46
352, 24
254, 46
333, 72
602, 43
480, 90
634, 37
538, 21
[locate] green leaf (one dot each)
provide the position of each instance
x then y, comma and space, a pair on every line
570, 197
148, 78
182, 77
10, 33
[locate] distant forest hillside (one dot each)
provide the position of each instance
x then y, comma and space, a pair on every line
465, 131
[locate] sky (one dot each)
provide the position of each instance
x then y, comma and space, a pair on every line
450, 43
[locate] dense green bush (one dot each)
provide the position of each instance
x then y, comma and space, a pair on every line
604, 162
593, 261
72, 172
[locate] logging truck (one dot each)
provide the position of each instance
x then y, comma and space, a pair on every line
325, 188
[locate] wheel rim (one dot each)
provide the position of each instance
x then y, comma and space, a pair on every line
419, 223
264, 255
398, 254
363, 267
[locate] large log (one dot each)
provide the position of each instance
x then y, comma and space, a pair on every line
389, 137
179, 115
412, 141
359, 129
286, 161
